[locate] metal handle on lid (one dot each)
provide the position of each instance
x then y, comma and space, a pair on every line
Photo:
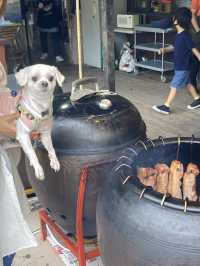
78, 92
77, 83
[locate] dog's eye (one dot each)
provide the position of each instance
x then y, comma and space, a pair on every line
34, 78
51, 78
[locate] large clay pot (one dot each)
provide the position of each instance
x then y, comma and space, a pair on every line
84, 132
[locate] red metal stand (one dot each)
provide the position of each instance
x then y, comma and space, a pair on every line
77, 248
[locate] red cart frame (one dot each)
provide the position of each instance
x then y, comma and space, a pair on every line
77, 247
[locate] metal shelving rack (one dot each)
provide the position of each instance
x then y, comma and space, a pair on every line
156, 64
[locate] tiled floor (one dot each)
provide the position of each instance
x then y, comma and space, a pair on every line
43, 255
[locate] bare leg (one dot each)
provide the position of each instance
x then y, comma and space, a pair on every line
47, 142
193, 91
23, 137
171, 96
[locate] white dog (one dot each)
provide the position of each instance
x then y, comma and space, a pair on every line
38, 83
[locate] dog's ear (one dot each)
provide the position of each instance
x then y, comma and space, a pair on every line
3, 76
59, 77
22, 76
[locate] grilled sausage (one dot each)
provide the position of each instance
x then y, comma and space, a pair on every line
162, 178
189, 182
147, 176
175, 176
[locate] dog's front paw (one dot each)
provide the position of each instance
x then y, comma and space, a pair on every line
55, 165
39, 173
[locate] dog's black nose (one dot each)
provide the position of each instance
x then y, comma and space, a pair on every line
44, 84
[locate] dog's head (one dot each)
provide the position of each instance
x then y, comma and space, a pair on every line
40, 78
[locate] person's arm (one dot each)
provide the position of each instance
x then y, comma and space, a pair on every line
194, 21
196, 53
167, 49
8, 128
7, 125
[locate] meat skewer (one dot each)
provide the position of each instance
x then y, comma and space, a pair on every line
147, 176
167, 180
175, 176
189, 182
162, 178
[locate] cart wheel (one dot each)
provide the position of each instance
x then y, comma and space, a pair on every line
136, 71
163, 78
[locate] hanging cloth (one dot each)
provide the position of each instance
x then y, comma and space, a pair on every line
14, 232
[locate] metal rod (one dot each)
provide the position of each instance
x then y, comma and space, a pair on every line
121, 165
163, 200
80, 56
131, 149
143, 144
127, 178
124, 157
163, 46
142, 193
135, 43
150, 140
155, 41
178, 148
185, 205
191, 148
192, 139
162, 139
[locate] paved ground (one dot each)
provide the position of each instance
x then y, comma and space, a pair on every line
144, 91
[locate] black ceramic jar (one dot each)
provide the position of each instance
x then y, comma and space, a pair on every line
95, 128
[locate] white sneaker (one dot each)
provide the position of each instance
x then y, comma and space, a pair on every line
59, 58
43, 56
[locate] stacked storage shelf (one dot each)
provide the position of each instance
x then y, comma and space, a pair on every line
157, 63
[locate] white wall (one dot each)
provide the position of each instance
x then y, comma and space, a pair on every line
119, 7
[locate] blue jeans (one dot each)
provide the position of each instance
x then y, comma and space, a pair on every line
7, 261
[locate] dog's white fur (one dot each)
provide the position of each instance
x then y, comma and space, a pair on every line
38, 83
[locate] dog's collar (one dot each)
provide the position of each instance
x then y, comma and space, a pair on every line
34, 112
46, 112
29, 115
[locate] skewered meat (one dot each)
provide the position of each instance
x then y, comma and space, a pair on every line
175, 176
189, 182
147, 176
141, 173
162, 178
169, 180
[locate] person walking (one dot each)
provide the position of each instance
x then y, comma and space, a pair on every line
195, 33
48, 21
183, 50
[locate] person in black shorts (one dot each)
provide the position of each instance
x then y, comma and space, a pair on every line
48, 21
